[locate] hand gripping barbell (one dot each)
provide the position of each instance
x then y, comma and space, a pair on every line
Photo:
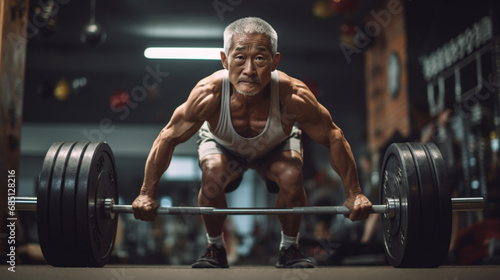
77, 192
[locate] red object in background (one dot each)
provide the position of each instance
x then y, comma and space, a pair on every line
472, 242
347, 32
345, 6
347, 27
119, 99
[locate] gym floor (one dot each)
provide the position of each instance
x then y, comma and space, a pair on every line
120, 272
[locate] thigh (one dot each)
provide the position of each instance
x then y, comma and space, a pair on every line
285, 168
221, 171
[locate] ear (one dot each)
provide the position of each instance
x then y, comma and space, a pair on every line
276, 61
223, 59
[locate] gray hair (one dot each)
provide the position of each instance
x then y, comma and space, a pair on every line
250, 25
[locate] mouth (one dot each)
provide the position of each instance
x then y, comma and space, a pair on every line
248, 82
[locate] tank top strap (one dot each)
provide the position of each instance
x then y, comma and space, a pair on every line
275, 100
225, 111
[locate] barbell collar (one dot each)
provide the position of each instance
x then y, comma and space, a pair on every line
24, 203
467, 204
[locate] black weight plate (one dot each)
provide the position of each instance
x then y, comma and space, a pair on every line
62, 205
68, 202
442, 234
96, 181
57, 205
428, 216
399, 181
44, 209
56, 191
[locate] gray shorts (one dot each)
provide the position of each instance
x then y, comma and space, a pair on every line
208, 146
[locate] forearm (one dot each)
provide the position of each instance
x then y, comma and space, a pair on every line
342, 161
157, 163
177, 131
317, 122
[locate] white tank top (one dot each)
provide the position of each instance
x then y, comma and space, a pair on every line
254, 147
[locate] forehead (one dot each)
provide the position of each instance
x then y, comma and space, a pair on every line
253, 40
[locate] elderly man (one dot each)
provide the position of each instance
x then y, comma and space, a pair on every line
248, 116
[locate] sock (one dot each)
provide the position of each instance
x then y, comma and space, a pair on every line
287, 241
218, 240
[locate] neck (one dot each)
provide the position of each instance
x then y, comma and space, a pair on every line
250, 99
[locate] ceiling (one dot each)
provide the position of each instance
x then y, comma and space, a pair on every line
132, 25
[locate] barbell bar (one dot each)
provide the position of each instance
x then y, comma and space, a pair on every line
457, 204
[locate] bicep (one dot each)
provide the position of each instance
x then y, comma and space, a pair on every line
187, 119
320, 127
204, 99
179, 129
313, 117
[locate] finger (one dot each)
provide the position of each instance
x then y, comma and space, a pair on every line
151, 218
354, 216
355, 213
139, 213
144, 217
149, 214
366, 209
363, 211
141, 216
136, 212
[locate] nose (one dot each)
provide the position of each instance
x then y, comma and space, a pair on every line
249, 68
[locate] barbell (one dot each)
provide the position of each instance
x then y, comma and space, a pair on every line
110, 208
77, 191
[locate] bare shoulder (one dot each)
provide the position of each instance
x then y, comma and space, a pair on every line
296, 97
204, 99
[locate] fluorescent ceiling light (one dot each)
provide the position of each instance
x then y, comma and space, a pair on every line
181, 32
183, 53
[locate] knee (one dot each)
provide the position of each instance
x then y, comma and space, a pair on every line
290, 179
212, 181
216, 174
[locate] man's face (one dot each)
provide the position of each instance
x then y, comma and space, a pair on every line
250, 63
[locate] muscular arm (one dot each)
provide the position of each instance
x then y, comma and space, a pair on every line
186, 120
317, 122
177, 131
319, 126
